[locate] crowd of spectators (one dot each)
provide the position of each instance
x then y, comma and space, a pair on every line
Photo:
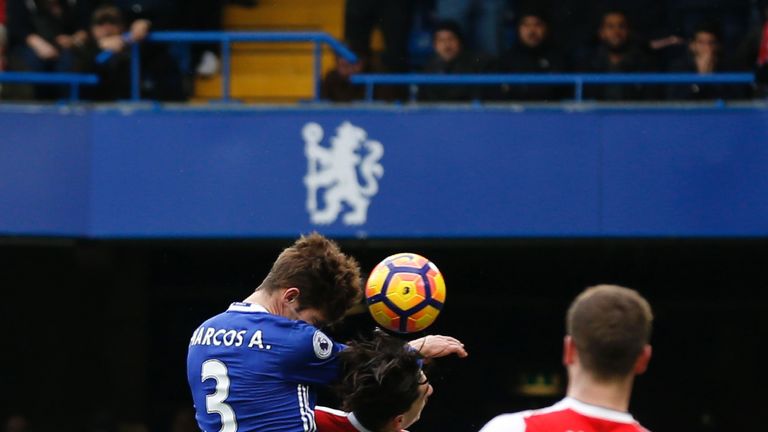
462, 36
93, 36
561, 36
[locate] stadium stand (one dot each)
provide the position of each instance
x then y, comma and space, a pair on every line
275, 72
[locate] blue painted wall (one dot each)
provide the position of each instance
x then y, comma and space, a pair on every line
45, 172
447, 173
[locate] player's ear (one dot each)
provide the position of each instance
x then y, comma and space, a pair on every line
641, 365
569, 351
291, 295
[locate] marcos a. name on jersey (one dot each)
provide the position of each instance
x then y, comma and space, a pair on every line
250, 370
226, 337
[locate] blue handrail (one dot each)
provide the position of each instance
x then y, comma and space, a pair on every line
226, 38
73, 80
575, 79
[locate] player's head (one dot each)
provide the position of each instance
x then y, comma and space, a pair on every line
609, 328
383, 384
314, 280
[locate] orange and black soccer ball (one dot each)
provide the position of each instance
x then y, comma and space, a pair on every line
405, 293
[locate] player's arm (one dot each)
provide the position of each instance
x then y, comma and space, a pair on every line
434, 346
314, 358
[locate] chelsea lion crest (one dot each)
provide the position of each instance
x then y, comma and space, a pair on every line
334, 173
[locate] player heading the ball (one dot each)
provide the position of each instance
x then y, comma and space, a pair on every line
252, 367
383, 388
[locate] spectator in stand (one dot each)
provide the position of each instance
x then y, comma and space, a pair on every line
480, 21
42, 34
161, 75
733, 17
451, 58
762, 54
336, 85
2, 35
105, 53
618, 53
533, 52
704, 57
574, 22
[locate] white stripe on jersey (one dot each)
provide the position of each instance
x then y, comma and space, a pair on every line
307, 415
310, 413
302, 408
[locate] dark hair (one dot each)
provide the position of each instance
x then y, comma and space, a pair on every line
107, 15
329, 280
533, 12
451, 26
380, 379
610, 325
710, 27
615, 12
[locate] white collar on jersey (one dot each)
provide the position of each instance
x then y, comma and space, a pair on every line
246, 307
356, 423
350, 416
593, 410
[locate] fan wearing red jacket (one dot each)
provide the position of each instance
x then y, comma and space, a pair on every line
383, 388
608, 330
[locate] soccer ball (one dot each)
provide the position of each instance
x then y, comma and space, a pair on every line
405, 293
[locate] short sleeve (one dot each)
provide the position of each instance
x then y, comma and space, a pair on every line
316, 359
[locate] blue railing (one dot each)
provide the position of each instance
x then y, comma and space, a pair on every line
577, 80
226, 38
369, 80
73, 80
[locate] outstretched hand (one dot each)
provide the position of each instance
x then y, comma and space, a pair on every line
433, 346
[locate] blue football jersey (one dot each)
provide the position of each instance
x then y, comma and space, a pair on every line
250, 370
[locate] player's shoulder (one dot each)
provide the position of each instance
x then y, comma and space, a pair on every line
311, 340
332, 420
570, 412
513, 422
330, 413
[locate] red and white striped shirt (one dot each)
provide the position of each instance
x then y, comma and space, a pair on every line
568, 415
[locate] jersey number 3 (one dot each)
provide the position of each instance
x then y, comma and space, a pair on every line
214, 403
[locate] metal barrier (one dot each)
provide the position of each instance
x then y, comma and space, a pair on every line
577, 80
73, 80
226, 38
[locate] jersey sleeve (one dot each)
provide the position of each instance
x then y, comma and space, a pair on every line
506, 423
316, 359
